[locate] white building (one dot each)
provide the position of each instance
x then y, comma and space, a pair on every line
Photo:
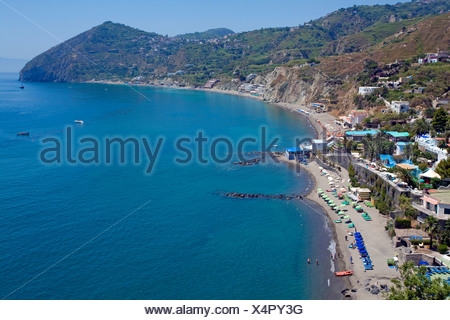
357, 116
429, 144
366, 90
319, 145
436, 204
400, 147
399, 106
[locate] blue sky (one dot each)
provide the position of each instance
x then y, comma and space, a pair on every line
24, 39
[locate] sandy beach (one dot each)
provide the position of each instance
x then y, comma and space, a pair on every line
378, 243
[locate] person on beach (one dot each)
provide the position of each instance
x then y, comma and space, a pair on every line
351, 260
345, 238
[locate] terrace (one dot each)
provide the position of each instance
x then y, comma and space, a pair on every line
383, 176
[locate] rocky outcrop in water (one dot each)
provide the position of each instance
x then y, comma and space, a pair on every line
238, 195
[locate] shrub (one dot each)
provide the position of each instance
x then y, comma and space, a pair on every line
417, 241
382, 207
442, 248
401, 223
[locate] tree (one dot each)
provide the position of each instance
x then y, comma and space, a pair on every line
358, 126
404, 175
440, 119
415, 285
406, 206
420, 126
369, 147
408, 151
445, 235
431, 224
345, 143
443, 169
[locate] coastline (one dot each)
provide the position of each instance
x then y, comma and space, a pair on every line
358, 282
360, 285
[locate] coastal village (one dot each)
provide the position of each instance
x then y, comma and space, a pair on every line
383, 177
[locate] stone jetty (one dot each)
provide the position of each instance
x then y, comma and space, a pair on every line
238, 195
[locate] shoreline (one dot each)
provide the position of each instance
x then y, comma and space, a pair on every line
318, 122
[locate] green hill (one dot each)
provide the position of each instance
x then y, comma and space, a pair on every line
115, 51
206, 35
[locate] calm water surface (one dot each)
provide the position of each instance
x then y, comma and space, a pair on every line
189, 242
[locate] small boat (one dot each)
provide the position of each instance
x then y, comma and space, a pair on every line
343, 273
21, 87
79, 121
338, 221
23, 133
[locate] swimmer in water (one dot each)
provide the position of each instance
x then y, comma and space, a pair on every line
309, 261
317, 261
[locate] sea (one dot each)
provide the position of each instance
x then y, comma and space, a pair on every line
113, 230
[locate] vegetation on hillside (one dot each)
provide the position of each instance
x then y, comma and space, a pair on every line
114, 51
415, 285
206, 35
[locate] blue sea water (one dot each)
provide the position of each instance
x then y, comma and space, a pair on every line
72, 231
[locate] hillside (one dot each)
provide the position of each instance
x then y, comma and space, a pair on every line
337, 77
206, 35
115, 51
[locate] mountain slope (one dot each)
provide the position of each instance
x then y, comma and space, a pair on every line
115, 51
206, 35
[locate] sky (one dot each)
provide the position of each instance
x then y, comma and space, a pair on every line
30, 27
